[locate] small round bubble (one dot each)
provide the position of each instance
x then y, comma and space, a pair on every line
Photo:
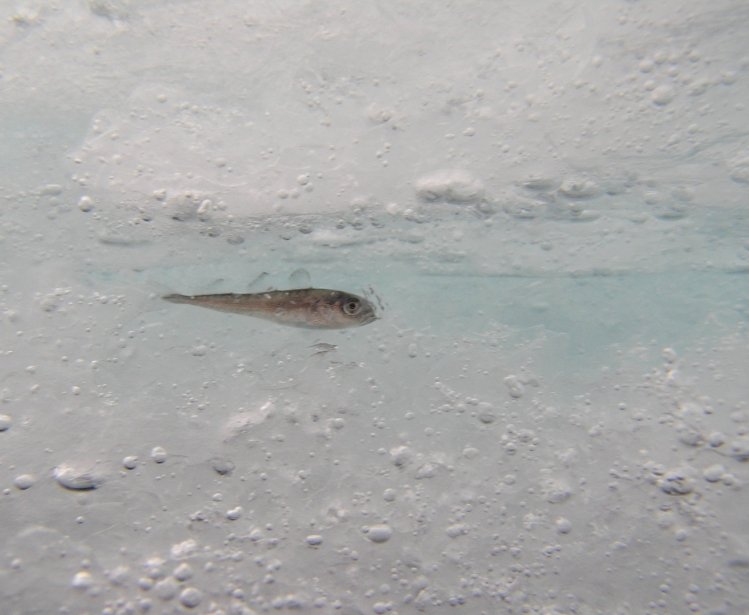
130, 462
24, 481
190, 597
183, 572
82, 580
379, 533
158, 454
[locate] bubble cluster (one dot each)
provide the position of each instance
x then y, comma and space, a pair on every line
452, 186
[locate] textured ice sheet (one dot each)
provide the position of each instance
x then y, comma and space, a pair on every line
543, 441
549, 200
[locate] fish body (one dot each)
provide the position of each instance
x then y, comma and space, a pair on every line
311, 308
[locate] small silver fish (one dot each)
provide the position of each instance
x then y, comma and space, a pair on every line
311, 308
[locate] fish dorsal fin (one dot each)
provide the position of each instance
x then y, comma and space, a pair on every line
300, 278
252, 286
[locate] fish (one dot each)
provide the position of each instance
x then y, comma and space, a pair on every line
309, 308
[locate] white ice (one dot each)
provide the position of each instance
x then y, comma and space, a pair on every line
547, 199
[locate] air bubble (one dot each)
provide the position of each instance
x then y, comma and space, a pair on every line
564, 526
183, 572
24, 481
578, 188
379, 533
739, 168
401, 456
646, 66
455, 530
557, 491
190, 597
183, 549
393, 208
82, 580
379, 115
662, 95
85, 204
119, 576
540, 183
166, 589
669, 355
728, 77
740, 449
77, 478
427, 470
234, 513
523, 209
676, 482
199, 351
158, 454
221, 466
514, 386
452, 186
51, 190
130, 462
691, 438
713, 473
145, 584
5, 422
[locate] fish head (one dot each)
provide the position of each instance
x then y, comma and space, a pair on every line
355, 311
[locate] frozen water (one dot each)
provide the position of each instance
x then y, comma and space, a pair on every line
548, 203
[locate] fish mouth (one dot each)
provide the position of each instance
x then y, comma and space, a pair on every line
369, 318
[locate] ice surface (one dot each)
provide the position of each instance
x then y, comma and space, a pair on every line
548, 200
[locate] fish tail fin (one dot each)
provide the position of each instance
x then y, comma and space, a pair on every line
176, 298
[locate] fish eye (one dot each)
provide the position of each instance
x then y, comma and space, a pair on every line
352, 307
